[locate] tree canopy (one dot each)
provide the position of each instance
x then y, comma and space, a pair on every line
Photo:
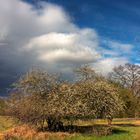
40, 96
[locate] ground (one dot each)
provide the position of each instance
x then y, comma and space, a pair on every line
124, 129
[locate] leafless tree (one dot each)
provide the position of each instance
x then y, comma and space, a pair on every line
128, 76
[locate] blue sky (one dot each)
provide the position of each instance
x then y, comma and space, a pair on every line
59, 35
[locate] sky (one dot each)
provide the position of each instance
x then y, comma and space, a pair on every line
59, 35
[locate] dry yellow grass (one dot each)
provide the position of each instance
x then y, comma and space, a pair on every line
19, 131
27, 132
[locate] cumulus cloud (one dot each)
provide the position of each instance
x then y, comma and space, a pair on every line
65, 47
46, 29
47, 37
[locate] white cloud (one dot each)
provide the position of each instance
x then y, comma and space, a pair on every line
118, 46
106, 65
55, 18
66, 47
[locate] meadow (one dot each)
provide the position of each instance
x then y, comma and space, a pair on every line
123, 129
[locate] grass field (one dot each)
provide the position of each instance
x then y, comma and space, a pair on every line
124, 129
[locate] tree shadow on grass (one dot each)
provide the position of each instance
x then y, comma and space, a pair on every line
85, 129
119, 131
126, 125
99, 130
78, 129
90, 129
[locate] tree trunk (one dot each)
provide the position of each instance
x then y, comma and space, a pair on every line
55, 125
109, 120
